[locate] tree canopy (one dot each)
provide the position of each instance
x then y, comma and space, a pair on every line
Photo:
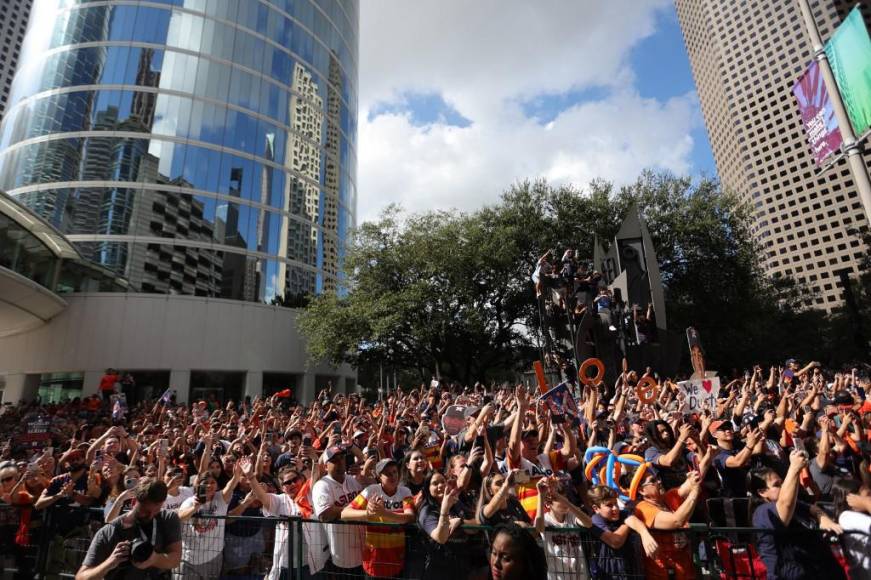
452, 290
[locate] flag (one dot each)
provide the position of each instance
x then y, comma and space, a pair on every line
117, 411
166, 396
560, 400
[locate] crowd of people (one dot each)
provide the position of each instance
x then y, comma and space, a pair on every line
446, 481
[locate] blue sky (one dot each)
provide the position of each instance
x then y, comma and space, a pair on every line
459, 100
663, 70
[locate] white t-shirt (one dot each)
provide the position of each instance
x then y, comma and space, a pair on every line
281, 506
173, 502
857, 546
543, 469
393, 503
346, 547
565, 556
202, 539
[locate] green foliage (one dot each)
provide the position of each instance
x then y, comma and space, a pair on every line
452, 291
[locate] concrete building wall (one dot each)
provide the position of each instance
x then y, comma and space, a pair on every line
178, 334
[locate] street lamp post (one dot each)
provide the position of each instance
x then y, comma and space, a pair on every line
851, 145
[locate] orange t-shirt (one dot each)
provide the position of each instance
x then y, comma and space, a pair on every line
674, 547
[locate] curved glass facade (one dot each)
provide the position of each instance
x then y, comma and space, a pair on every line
203, 147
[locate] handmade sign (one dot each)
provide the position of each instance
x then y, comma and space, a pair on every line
119, 406
454, 419
539, 376
697, 355
700, 393
560, 400
647, 390
583, 372
37, 434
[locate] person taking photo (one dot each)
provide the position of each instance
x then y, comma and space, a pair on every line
144, 543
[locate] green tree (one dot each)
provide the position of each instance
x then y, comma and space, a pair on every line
452, 291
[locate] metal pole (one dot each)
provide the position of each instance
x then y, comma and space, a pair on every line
851, 146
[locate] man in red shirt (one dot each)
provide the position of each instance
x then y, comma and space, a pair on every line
107, 385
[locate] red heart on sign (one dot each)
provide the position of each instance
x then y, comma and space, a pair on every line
707, 385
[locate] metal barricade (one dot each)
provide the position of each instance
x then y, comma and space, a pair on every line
239, 547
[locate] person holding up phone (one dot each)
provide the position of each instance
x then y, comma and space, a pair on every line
497, 505
524, 454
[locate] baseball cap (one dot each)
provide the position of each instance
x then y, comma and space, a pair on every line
842, 397
357, 434
720, 426
791, 361
384, 464
471, 411
332, 452
529, 433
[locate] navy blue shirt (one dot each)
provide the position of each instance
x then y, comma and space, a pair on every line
734, 478
793, 556
606, 562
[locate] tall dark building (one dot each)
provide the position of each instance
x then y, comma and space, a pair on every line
746, 56
13, 24
197, 149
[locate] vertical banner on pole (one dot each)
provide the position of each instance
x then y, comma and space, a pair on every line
849, 55
817, 113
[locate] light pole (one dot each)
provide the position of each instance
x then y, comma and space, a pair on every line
851, 146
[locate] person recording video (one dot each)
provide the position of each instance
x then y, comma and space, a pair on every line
144, 543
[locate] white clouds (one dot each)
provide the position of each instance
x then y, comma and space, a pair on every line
484, 57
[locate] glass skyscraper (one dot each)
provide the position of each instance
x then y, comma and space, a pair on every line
194, 147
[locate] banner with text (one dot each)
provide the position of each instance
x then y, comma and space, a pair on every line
817, 113
700, 393
849, 54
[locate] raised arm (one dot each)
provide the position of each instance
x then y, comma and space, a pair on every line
493, 505
446, 524
227, 492
788, 496
513, 451
743, 457
668, 459
678, 518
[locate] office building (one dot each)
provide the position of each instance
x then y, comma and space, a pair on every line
13, 24
204, 152
746, 56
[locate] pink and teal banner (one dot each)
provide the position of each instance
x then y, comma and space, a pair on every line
817, 114
849, 54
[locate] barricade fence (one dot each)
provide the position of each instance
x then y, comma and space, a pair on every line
244, 547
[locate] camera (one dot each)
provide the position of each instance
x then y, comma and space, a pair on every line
140, 550
202, 489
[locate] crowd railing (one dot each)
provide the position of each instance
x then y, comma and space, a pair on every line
58, 540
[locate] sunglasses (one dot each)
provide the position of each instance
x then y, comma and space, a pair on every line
291, 481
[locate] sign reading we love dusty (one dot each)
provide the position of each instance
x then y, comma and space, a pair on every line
700, 393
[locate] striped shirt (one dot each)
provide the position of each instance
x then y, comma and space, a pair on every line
384, 546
